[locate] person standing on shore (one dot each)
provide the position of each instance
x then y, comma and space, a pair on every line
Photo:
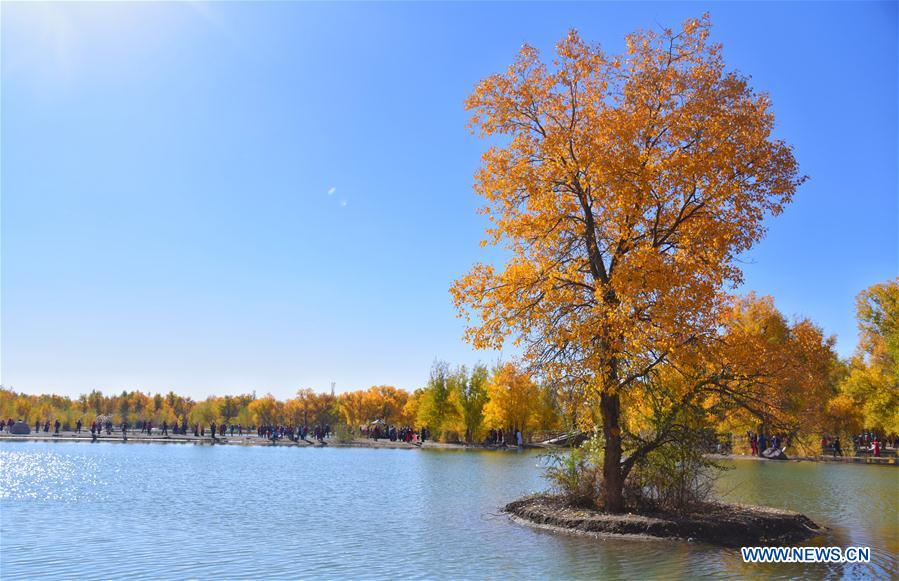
837, 449
124, 431
56, 425
212, 429
78, 426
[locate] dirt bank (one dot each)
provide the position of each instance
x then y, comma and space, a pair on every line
729, 525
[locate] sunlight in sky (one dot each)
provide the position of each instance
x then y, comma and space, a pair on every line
57, 33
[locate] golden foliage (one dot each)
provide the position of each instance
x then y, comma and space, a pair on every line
625, 188
516, 402
872, 381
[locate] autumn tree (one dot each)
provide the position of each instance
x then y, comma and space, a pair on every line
413, 406
514, 400
435, 407
623, 187
205, 412
388, 401
266, 411
356, 408
323, 409
870, 392
762, 372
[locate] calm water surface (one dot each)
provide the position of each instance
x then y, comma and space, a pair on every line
105, 510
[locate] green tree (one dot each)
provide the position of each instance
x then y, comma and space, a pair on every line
436, 409
470, 393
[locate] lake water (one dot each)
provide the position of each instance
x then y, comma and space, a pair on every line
105, 510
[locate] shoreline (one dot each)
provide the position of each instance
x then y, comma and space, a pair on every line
254, 440
721, 524
248, 440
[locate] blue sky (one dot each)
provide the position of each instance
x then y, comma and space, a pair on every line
226, 197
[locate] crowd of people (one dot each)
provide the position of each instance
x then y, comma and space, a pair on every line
759, 443
381, 431
864, 443
498, 437
294, 433
214, 430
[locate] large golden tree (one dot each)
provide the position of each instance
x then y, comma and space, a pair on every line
624, 187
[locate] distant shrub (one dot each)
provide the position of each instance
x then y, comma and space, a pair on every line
343, 433
451, 437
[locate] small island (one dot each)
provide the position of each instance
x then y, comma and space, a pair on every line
729, 525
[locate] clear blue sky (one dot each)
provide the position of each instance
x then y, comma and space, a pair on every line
219, 198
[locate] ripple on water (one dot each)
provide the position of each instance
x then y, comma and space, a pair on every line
158, 511
49, 476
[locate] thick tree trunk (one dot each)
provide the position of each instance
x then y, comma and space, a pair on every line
613, 477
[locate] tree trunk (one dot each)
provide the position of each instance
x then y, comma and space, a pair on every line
613, 478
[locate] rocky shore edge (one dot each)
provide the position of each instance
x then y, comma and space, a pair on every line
729, 525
